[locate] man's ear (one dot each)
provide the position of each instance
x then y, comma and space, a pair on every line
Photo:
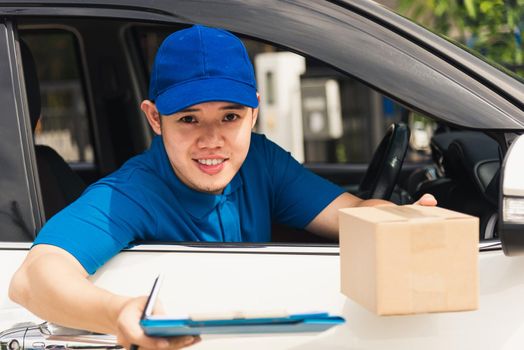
152, 115
255, 112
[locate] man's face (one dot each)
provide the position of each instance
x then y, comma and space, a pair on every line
208, 142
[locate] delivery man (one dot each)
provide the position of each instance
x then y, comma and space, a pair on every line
206, 177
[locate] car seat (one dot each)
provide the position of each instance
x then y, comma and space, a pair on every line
469, 165
59, 184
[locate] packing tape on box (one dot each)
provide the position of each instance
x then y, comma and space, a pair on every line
429, 289
408, 213
427, 235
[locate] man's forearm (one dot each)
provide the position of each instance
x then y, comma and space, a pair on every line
326, 222
373, 202
54, 287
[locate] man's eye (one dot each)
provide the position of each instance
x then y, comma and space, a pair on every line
230, 117
187, 119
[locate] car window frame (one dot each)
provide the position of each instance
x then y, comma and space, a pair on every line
83, 82
472, 103
15, 121
369, 29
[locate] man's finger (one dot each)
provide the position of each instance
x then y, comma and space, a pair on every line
172, 343
180, 342
427, 200
129, 328
145, 342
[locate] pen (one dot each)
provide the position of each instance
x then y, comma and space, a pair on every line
148, 308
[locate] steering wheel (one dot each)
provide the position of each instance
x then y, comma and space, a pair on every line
384, 168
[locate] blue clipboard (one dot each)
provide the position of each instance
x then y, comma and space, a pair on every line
163, 327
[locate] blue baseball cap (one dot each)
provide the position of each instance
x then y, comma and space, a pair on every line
201, 64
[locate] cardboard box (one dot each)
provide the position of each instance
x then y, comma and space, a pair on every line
398, 260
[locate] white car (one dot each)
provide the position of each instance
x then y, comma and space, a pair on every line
333, 75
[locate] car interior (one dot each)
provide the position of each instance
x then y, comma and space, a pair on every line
98, 96
59, 184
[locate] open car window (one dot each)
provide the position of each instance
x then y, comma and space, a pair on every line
329, 120
341, 120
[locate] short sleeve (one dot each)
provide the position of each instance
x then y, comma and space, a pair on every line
99, 224
299, 195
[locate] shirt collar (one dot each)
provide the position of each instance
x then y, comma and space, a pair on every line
197, 204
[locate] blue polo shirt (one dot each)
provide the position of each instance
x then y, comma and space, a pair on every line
145, 201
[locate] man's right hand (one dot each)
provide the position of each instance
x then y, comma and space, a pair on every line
129, 331
39, 286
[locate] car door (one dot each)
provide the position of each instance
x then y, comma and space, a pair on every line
428, 77
226, 275
20, 209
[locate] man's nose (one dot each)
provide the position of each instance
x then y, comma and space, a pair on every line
211, 137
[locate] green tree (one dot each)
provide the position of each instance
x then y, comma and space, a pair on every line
491, 27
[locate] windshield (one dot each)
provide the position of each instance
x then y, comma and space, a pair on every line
490, 30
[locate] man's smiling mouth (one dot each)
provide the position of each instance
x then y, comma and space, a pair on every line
211, 165
210, 161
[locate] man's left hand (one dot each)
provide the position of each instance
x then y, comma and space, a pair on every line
427, 200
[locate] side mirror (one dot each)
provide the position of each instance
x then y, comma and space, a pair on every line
511, 205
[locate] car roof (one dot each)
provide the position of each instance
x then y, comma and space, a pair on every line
416, 67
